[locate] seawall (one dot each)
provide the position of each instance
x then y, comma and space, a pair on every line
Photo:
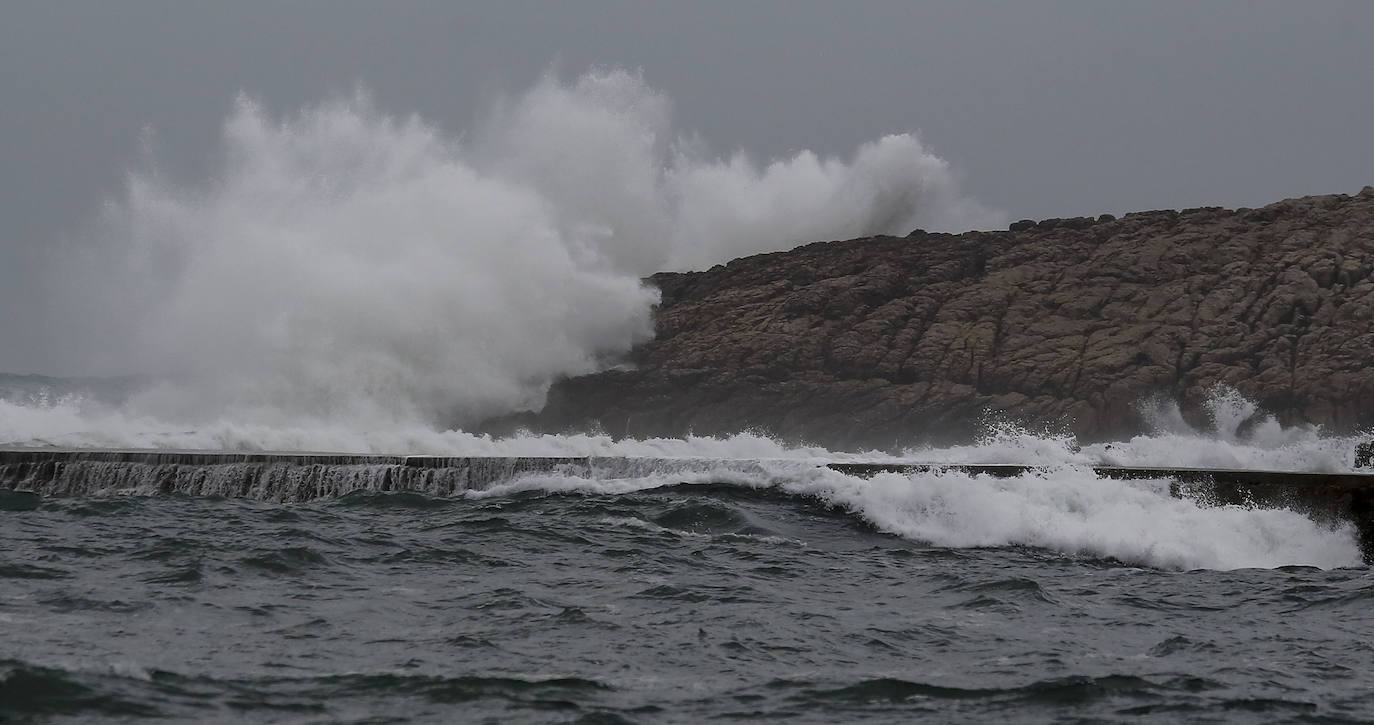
300, 477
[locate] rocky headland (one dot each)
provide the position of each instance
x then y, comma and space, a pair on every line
1059, 325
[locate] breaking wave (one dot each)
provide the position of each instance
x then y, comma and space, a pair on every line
342, 264
1062, 506
1241, 436
1065, 509
352, 281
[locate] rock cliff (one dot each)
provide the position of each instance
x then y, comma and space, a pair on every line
1063, 324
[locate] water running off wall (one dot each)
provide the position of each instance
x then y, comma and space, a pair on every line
1161, 517
296, 478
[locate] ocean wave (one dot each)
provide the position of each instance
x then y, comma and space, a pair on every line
1067, 509
344, 263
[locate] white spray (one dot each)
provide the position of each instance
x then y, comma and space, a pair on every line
350, 281
343, 265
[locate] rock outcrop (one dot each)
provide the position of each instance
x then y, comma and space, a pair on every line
1065, 324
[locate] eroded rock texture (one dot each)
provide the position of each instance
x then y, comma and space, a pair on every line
1065, 323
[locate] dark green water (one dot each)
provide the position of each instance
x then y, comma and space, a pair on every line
682, 603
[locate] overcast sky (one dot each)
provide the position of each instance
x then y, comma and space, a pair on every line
1042, 108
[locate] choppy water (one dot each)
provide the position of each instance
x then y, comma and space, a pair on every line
781, 591
583, 602
768, 587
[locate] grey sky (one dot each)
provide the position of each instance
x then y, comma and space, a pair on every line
1044, 108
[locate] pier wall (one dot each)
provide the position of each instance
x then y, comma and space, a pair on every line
300, 477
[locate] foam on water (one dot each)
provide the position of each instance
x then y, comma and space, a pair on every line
1066, 509
1072, 510
1250, 441
77, 423
1241, 435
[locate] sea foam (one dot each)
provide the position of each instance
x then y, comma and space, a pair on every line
1062, 505
1066, 509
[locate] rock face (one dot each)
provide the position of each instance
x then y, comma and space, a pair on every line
1065, 324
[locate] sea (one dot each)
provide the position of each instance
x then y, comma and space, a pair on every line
340, 279
760, 587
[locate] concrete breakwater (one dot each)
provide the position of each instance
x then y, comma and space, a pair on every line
300, 477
